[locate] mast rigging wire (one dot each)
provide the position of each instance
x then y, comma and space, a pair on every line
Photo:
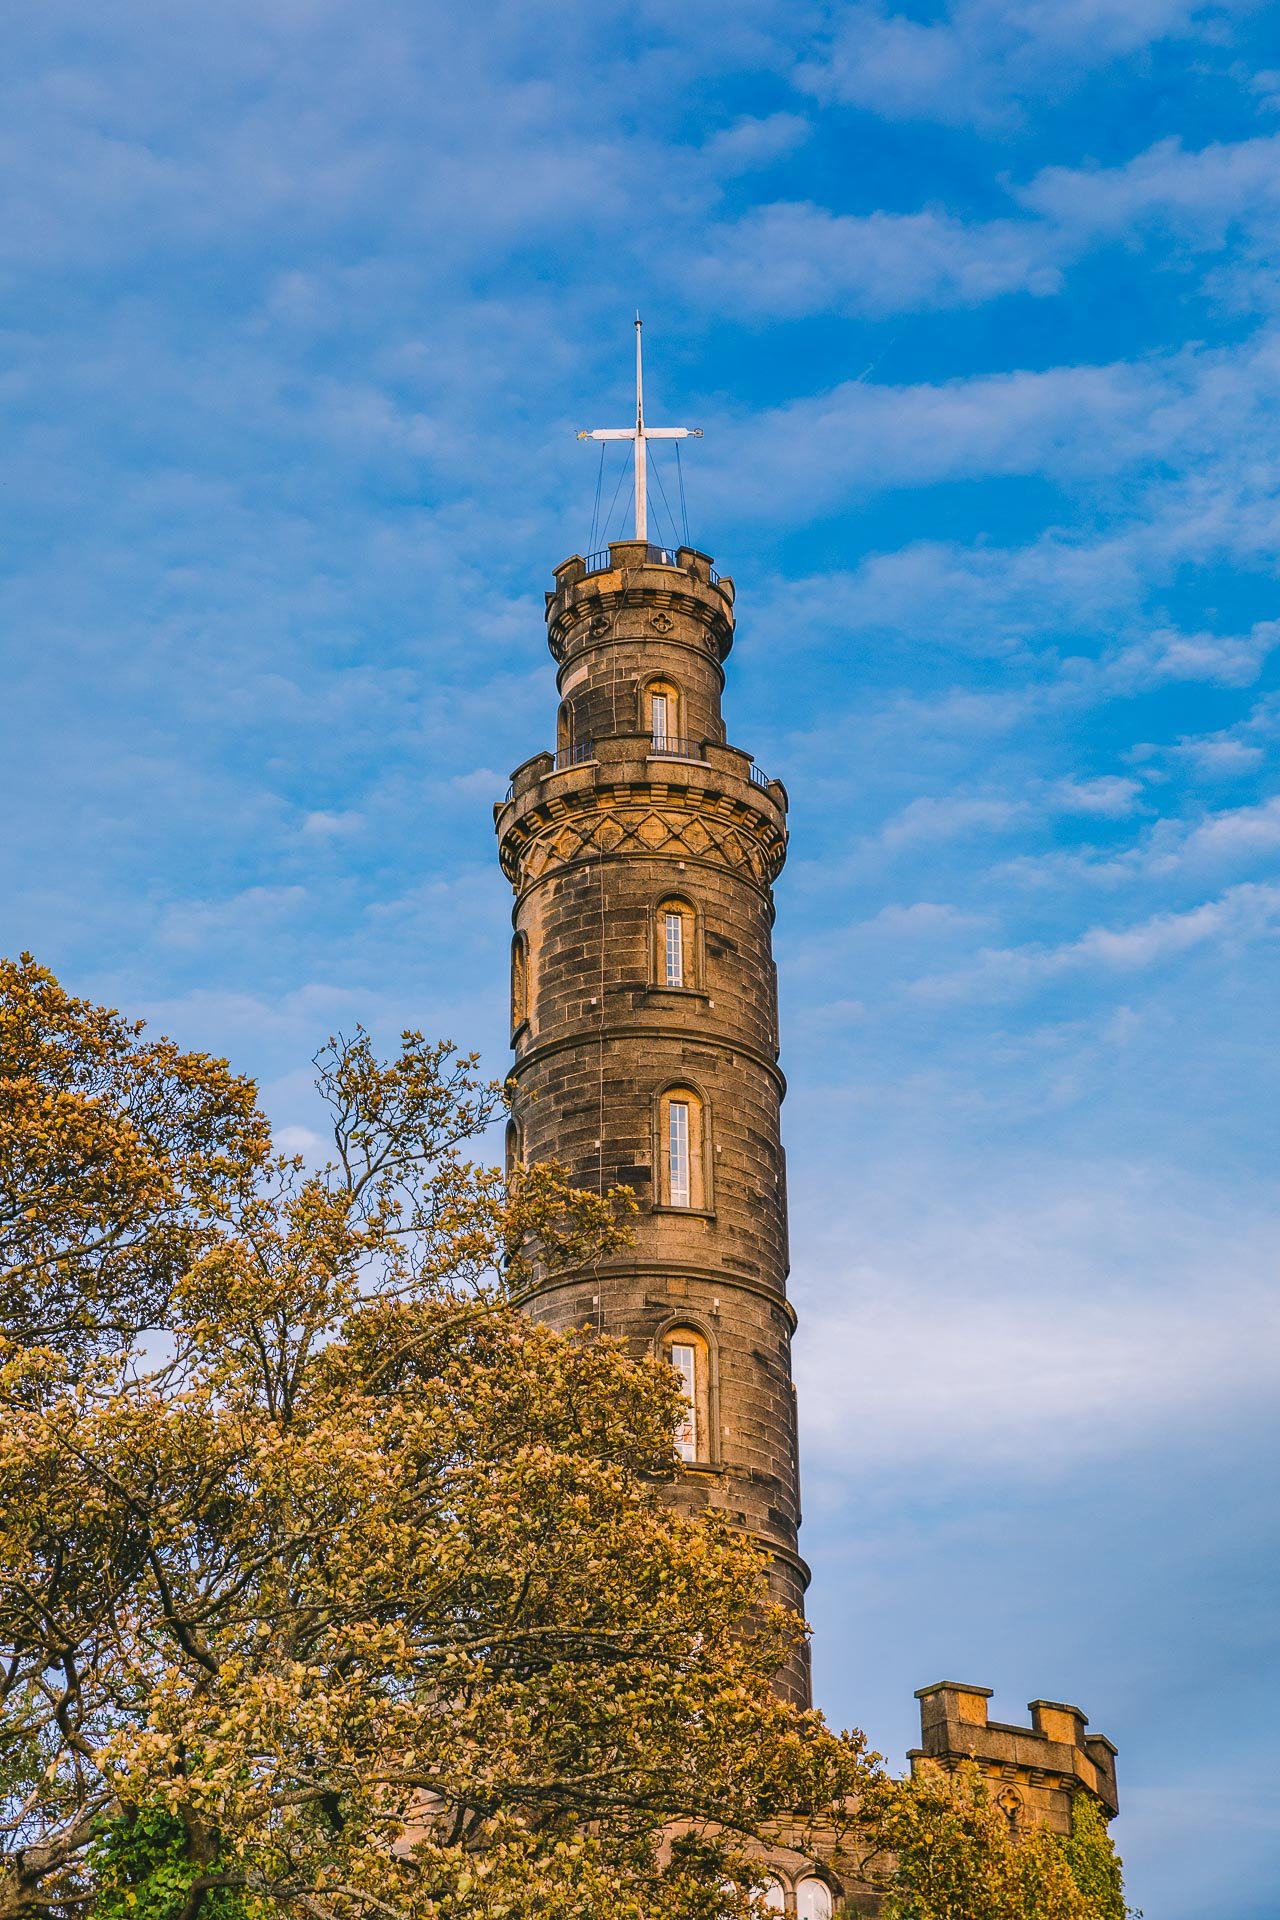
595, 512
684, 510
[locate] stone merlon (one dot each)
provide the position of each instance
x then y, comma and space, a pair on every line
1041, 1766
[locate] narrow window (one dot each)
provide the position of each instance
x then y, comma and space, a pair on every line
664, 717
681, 1149
673, 929
678, 1152
684, 1360
674, 945
564, 734
774, 1898
687, 1354
519, 982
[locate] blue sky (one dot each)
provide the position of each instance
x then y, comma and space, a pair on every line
980, 312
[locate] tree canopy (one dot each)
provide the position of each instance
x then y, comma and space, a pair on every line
331, 1584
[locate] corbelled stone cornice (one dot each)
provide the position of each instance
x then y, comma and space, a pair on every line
703, 815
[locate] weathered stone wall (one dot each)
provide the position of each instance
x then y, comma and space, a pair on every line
593, 846
1034, 1772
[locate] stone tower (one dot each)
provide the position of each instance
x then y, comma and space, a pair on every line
643, 853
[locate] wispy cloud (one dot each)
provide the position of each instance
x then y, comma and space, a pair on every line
789, 259
1201, 191
1244, 913
925, 822
1002, 1339
985, 59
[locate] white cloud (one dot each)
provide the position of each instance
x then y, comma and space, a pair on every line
987, 57
755, 142
336, 825
927, 821
1073, 1312
1231, 660
1226, 836
190, 923
797, 258
1109, 796
920, 917
1202, 191
1246, 912
1072, 423
791, 258
1220, 755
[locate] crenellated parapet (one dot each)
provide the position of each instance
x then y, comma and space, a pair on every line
638, 591
1034, 1772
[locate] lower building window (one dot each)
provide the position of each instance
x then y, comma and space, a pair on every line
813, 1899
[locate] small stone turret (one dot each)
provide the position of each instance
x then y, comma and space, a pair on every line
1035, 1772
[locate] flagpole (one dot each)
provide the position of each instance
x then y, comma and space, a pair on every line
642, 478
640, 434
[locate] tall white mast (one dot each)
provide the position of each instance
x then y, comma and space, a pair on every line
641, 435
642, 477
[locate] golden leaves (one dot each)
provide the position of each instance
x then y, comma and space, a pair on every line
310, 1541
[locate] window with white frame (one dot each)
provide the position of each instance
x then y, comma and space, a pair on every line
684, 1359
813, 1899
680, 1188
681, 1149
663, 701
685, 1350
675, 944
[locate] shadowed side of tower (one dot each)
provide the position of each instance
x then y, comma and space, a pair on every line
642, 853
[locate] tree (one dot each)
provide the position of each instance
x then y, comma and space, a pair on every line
330, 1583
333, 1585
956, 1856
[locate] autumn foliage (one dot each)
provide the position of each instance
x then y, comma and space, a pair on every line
330, 1583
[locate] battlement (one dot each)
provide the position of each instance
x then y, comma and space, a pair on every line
1035, 1771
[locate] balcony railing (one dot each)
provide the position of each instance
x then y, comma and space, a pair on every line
656, 556
662, 746
674, 746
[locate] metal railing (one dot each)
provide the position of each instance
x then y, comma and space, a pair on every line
674, 746
759, 778
601, 561
713, 576
574, 756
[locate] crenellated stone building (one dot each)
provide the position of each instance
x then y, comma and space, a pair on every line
643, 853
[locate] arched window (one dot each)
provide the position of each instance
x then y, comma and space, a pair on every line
663, 716
514, 1146
564, 733
674, 949
682, 1149
519, 981
813, 1899
686, 1350
774, 1897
